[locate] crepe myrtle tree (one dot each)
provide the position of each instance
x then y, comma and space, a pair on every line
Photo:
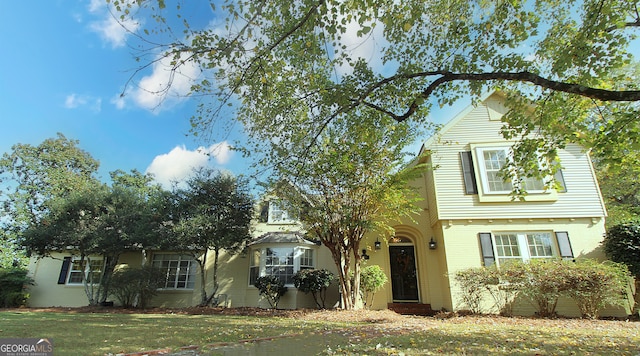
566, 67
352, 183
212, 213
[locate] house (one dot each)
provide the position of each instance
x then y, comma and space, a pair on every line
467, 219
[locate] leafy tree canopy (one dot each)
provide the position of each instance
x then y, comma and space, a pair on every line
352, 182
36, 174
97, 221
213, 213
270, 60
31, 177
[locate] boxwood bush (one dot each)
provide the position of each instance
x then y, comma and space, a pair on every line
135, 287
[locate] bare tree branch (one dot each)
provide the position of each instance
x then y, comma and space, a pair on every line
528, 77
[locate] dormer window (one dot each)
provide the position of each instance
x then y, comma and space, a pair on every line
279, 213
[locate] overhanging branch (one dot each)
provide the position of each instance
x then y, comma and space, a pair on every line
528, 77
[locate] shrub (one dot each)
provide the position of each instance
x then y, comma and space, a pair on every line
136, 286
541, 282
316, 282
622, 245
593, 285
272, 288
13, 287
473, 284
372, 278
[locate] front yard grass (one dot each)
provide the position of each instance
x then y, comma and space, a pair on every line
376, 334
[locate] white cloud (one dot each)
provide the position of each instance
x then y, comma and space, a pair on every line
111, 29
76, 101
166, 86
119, 101
180, 162
163, 89
97, 5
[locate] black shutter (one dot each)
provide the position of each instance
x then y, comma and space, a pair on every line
264, 212
468, 173
64, 271
564, 244
487, 249
560, 180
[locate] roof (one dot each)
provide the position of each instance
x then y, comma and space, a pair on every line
282, 237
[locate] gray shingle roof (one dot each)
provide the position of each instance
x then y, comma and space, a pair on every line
282, 237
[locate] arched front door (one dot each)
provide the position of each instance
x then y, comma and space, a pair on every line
404, 278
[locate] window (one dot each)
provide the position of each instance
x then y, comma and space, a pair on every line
283, 262
279, 263
492, 160
91, 269
179, 270
520, 246
278, 213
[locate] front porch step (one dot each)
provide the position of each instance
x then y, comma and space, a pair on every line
412, 309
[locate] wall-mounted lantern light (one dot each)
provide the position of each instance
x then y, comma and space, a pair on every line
364, 254
432, 244
377, 245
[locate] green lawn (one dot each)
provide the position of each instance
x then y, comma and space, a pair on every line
103, 333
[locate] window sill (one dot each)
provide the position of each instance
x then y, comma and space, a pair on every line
506, 198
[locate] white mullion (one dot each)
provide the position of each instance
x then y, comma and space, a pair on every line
524, 246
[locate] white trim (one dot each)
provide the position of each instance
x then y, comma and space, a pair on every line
87, 269
298, 253
523, 245
276, 208
191, 275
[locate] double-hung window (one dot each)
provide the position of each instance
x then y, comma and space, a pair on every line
524, 246
491, 161
89, 268
505, 247
179, 270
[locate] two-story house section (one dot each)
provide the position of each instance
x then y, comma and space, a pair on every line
471, 220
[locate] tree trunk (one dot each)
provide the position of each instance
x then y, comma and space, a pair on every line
216, 255
202, 262
109, 267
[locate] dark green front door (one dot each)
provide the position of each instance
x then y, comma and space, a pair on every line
404, 281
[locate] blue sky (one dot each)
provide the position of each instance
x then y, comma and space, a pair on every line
64, 66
